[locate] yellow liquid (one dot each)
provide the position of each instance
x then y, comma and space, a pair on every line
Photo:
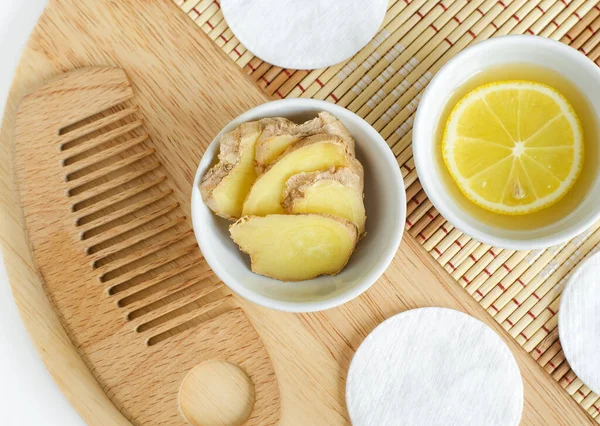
589, 122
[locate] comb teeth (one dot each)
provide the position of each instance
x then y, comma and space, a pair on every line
85, 199
136, 306
127, 194
130, 224
164, 323
89, 229
118, 280
130, 295
101, 143
81, 184
74, 167
178, 322
94, 123
184, 299
102, 254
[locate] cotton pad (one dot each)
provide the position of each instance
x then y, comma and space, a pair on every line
434, 366
301, 34
579, 322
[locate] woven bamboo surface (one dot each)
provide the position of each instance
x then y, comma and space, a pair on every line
383, 84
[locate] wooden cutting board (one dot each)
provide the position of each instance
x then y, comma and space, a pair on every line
187, 90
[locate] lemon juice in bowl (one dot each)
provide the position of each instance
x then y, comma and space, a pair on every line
517, 146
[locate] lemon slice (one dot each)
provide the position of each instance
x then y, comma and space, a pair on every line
513, 147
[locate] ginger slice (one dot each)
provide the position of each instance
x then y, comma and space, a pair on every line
278, 136
337, 191
295, 247
225, 186
318, 152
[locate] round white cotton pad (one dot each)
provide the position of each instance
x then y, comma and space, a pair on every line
579, 322
304, 34
434, 366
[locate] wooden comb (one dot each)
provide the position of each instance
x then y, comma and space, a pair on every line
117, 254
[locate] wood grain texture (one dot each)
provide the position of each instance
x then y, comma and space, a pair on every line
166, 59
126, 278
208, 385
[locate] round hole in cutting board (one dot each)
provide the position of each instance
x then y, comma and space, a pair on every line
216, 393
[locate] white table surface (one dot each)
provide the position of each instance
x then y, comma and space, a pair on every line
28, 395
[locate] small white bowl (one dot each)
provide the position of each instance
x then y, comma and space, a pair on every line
575, 67
385, 204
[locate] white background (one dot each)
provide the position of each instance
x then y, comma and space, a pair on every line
28, 396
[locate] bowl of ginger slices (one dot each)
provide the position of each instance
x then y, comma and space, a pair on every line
298, 205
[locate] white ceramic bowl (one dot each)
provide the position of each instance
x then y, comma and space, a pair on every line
385, 203
514, 49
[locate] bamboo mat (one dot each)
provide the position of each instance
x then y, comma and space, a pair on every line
383, 84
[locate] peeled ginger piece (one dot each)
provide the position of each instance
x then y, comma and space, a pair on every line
279, 135
318, 152
338, 192
225, 186
295, 247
